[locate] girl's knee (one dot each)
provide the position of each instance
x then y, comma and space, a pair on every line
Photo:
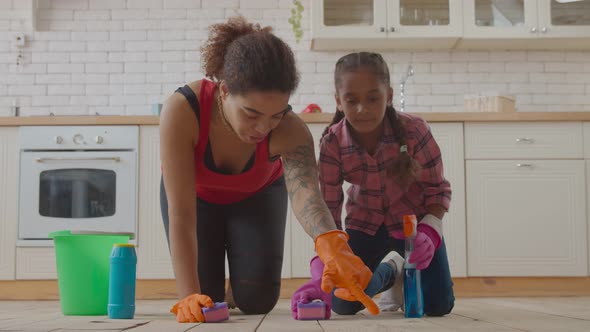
440, 309
344, 310
342, 307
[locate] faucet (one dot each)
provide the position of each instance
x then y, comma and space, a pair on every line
402, 84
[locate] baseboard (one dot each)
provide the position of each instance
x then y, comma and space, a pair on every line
464, 287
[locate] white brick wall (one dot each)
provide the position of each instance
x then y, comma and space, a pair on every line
118, 56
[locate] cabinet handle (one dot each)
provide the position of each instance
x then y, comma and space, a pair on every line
525, 165
382, 29
115, 159
534, 30
525, 140
392, 29
544, 29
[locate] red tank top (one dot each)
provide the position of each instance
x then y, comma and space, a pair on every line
220, 188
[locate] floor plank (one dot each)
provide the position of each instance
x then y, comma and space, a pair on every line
237, 322
280, 319
460, 323
559, 306
36, 323
106, 324
473, 314
390, 322
523, 320
157, 317
166, 325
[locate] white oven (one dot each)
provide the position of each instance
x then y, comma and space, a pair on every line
77, 178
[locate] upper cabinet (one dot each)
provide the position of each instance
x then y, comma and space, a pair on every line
564, 18
447, 24
360, 19
385, 24
500, 18
526, 24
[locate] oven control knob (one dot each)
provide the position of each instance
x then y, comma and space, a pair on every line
98, 139
58, 139
78, 139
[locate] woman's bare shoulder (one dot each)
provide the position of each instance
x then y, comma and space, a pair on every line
177, 117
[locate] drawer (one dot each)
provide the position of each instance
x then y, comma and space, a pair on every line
520, 140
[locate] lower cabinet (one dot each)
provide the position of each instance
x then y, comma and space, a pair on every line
526, 218
449, 137
9, 174
35, 263
302, 246
153, 257
508, 216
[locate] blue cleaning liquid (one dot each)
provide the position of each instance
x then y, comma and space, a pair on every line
413, 299
414, 302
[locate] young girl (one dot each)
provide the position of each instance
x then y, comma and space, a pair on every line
395, 168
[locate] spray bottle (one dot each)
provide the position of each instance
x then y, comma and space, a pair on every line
414, 301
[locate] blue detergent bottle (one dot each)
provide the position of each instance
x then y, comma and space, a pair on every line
413, 298
122, 282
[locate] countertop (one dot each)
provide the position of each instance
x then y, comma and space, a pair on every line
308, 118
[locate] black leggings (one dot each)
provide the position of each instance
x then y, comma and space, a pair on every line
253, 234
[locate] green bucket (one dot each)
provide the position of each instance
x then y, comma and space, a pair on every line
83, 263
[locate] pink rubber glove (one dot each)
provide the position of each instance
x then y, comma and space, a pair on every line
427, 241
312, 290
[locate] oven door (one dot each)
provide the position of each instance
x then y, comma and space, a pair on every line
77, 190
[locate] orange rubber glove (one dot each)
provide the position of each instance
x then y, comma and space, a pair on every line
343, 269
188, 310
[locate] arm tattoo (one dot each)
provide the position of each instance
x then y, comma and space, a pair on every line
303, 188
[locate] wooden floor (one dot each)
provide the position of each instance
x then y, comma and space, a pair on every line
474, 314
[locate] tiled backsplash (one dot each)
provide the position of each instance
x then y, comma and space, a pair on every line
120, 56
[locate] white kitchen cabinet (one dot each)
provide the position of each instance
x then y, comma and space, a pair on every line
360, 19
500, 19
522, 24
35, 263
586, 133
9, 174
424, 19
385, 24
153, 257
302, 246
565, 19
524, 140
526, 200
587, 161
450, 139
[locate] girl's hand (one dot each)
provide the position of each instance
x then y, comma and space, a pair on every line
425, 244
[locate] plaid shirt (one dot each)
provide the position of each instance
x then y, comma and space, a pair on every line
373, 197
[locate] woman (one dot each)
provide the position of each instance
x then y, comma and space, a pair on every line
229, 146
